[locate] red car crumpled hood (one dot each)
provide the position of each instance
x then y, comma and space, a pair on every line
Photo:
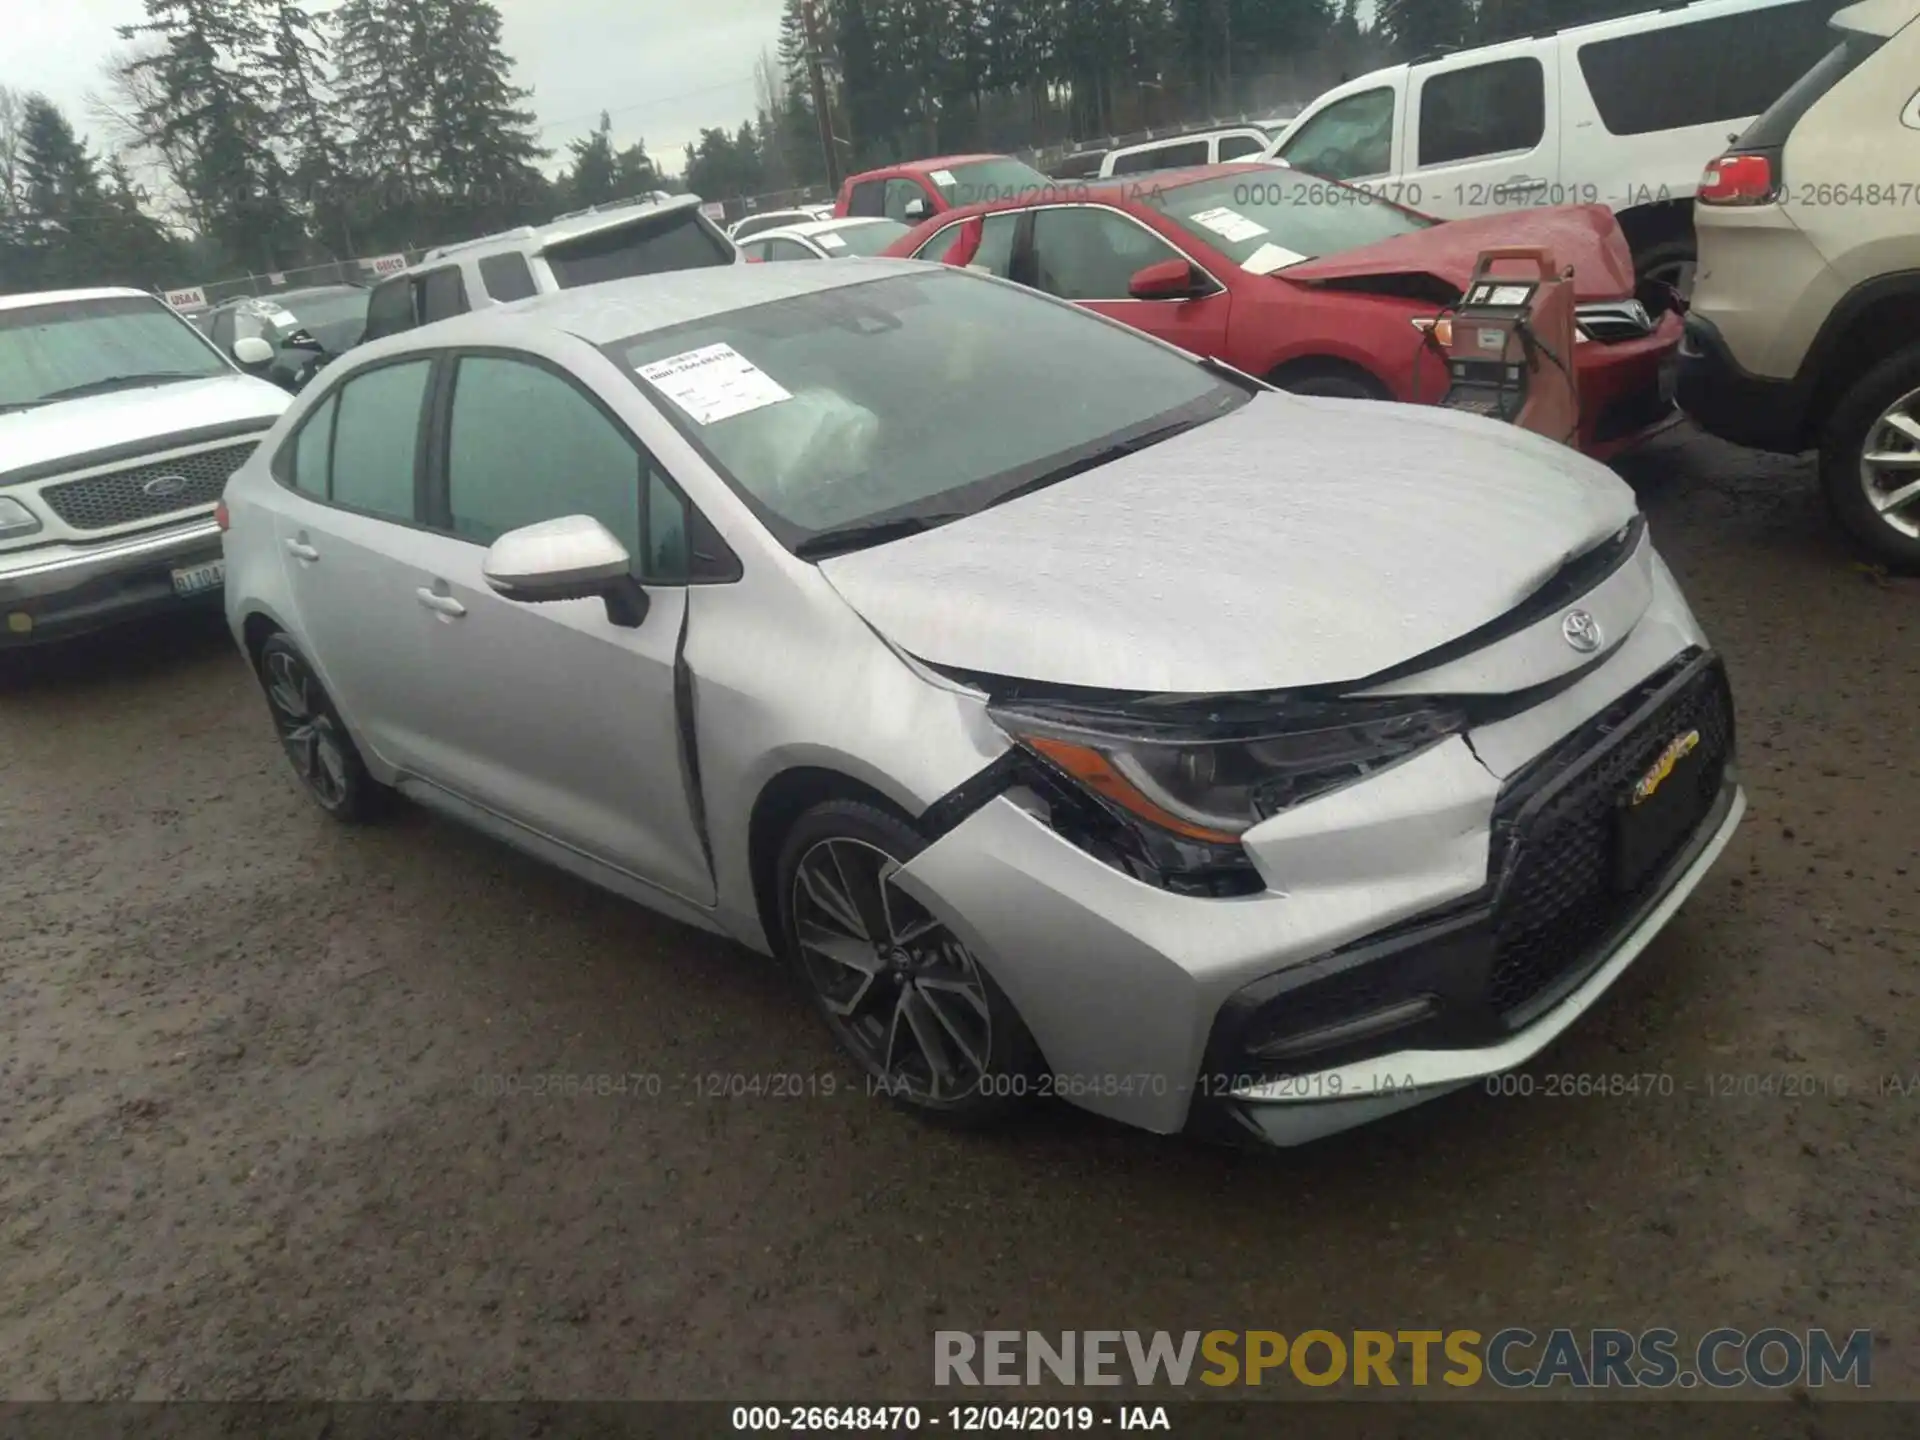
1586, 237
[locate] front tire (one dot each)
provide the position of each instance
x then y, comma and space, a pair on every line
904, 997
1870, 461
315, 739
1671, 263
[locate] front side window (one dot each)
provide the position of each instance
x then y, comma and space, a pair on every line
1086, 252
88, 347
1349, 140
900, 195
995, 254
679, 239
1497, 109
927, 393
1238, 147
781, 248
376, 436
1263, 227
525, 445
869, 198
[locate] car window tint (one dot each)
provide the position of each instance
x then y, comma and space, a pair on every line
390, 309
666, 556
869, 198
525, 446
443, 294
1089, 253
1656, 80
1348, 140
1233, 147
507, 277
902, 193
1483, 110
376, 436
313, 449
995, 255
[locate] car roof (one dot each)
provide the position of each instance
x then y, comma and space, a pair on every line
537, 238
941, 162
616, 309
60, 297
807, 229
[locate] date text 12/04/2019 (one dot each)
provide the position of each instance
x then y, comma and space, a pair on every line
957, 1419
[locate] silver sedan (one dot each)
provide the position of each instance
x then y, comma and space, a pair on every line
1073, 716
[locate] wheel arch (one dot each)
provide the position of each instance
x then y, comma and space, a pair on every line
1301, 367
1872, 322
1657, 223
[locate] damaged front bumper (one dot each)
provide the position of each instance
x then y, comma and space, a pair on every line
1441, 922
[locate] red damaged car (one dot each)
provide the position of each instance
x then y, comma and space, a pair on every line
1318, 288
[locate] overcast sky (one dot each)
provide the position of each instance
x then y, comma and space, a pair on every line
662, 68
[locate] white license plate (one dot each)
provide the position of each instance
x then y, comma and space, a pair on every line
198, 579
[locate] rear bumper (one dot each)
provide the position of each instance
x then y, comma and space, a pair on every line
60, 591
1726, 401
1627, 389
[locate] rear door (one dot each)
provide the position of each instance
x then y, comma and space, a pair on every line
1484, 137
551, 715
1089, 254
352, 474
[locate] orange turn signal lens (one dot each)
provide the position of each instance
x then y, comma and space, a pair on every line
1097, 773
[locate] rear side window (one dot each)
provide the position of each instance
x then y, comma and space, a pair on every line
1707, 72
1234, 147
507, 277
313, 450
1165, 157
1495, 109
390, 308
869, 198
443, 294
995, 255
679, 240
376, 437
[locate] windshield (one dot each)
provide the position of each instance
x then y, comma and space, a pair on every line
1002, 178
1266, 220
75, 345
678, 240
931, 393
865, 239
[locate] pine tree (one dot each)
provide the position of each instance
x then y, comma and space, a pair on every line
307, 121
593, 179
378, 56
480, 141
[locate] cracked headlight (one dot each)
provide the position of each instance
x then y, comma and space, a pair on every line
1211, 777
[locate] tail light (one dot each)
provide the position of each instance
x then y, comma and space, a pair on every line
220, 516
1739, 180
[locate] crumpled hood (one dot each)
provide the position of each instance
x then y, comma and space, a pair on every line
1586, 237
91, 423
1296, 542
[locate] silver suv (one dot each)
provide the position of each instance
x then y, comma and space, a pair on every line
643, 237
119, 425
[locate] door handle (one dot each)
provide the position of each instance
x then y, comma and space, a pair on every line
300, 550
441, 604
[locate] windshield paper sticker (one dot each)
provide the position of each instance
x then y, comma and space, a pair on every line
1230, 224
714, 383
830, 241
943, 178
1269, 258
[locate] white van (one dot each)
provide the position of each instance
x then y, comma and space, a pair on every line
1621, 112
1177, 152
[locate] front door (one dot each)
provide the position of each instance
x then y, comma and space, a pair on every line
1090, 253
550, 714
1485, 138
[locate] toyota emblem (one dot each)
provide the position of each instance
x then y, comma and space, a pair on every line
161, 486
1582, 631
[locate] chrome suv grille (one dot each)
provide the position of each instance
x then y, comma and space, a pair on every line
1557, 904
1612, 321
144, 492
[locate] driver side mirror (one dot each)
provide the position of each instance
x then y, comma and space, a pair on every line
572, 558
1168, 280
250, 352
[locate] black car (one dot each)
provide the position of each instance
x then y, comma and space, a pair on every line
307, 328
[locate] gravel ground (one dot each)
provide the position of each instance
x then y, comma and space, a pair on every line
244, 1151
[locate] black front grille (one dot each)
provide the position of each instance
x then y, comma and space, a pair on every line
1557, 902
143, 492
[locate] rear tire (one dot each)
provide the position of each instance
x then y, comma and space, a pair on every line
315, 739
1878, 415
1333, 382
903, 996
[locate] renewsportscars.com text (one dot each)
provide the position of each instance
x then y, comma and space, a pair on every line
1511, 1358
